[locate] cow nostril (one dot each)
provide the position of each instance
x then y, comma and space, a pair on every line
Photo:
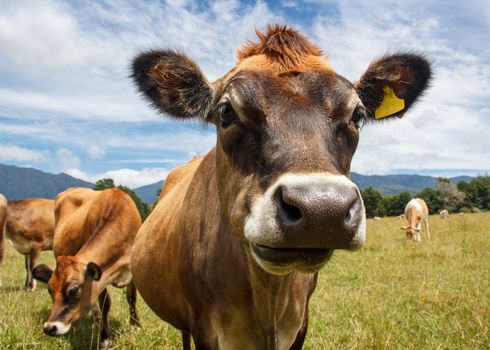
50, 329
353, 211
290, 211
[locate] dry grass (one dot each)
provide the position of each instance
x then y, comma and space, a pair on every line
392, 294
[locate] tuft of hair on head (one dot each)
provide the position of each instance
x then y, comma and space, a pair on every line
280, 44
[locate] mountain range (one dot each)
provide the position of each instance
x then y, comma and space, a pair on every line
21, 183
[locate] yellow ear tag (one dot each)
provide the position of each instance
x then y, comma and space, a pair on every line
391, 104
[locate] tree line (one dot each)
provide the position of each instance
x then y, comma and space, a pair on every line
462, 197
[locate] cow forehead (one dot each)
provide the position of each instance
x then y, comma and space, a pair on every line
262, 91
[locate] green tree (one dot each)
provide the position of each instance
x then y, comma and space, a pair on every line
481, 188
102, 184
373, 202
450, 197
470, 195
395, 205
431, 198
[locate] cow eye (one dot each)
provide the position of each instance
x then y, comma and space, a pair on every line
358, 117
72, 292
226, 114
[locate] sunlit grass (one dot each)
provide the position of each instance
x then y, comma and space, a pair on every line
392, 294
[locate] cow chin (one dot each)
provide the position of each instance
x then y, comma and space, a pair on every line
284, 261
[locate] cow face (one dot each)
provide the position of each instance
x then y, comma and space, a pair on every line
287, 129
73, 289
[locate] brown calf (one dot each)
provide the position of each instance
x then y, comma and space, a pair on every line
416, 211
94, 235
230, 253
29, 228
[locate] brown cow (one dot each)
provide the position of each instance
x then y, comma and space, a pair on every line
416, 211
231, 252
3, 222
29, 229
94, 235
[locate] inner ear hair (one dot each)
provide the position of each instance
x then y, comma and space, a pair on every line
94, 271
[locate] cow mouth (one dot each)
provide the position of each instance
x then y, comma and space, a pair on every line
310, 259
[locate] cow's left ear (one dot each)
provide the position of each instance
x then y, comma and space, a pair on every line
93, 271
392, 84
42, 273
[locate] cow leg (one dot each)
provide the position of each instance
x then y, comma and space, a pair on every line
427, 227
131, 295
300, 337
96, 314
105, 332
30, 262
186, 340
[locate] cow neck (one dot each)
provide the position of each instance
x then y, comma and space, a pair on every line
101, 247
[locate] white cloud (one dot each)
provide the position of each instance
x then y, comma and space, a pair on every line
20, 154
95, 152
128, 177
67, 63
67, 159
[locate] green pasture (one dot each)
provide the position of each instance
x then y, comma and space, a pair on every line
392, 294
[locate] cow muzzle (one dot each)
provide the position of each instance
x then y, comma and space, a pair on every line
56, 328
301, 219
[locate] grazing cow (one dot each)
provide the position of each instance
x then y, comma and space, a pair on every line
3, 222
94, 235
416, 211
29, 229
377, 218
231, 252
444, 214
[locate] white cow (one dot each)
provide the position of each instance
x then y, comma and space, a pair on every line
416, 211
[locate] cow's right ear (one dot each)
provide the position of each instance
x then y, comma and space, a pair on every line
42, 273
173, 83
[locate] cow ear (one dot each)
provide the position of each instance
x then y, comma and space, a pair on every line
391, 84
42, 273
173, 84
93, 271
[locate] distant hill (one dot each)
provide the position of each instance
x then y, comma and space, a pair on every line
148, 193
21, 183
385, 184
393, 184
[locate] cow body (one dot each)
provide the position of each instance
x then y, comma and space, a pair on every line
217, 293
94, 235
29, 229
416, 212
230, 254
444, 214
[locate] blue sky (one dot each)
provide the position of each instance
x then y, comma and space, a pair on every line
67, 104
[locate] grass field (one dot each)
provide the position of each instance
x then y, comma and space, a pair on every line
392, 294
